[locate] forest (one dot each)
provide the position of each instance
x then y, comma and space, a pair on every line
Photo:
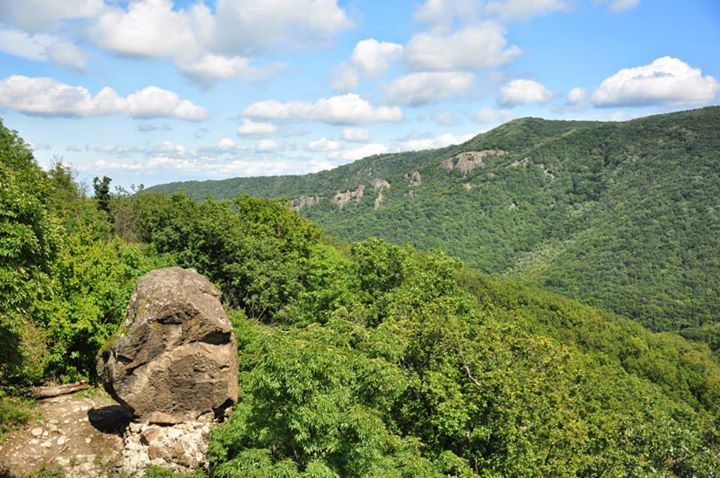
357, 359
620, 215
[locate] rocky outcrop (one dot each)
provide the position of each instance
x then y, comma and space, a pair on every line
379, 185
305, 201
413, 178
180, 447
520, 163
469, 160
175, 356
341, 199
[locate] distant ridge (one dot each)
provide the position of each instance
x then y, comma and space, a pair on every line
624, 215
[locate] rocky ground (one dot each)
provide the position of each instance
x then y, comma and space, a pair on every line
81, 435
91, 437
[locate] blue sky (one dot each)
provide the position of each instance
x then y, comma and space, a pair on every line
152, 91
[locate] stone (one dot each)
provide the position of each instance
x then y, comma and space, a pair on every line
175, 353
181, 447
36, 432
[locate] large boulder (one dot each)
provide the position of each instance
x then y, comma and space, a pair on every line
175, 356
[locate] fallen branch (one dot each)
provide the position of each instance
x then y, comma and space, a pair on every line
57, 390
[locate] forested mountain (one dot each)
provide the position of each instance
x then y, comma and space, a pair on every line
623, 215
356, 360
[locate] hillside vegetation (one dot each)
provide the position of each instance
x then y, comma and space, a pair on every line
359, 360
621, 215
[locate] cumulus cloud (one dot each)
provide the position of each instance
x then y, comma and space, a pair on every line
417, 89
211, 45
38, 14
323, 144
344, 109
209, 68
360, 152
154, 102
355, 135
479, 46
41, 47
518, 92
576, 95
491, 115
369, 57
666, 80
267, 146
49, 97
255, 128
419, 144
226, 144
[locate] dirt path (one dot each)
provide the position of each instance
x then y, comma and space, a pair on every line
79, 434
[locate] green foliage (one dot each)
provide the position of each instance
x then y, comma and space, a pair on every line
14, 412
372, 359
621, 215
64, 279
431, 370
257, 251
102, 193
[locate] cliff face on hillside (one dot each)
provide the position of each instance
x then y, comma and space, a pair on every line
618, 214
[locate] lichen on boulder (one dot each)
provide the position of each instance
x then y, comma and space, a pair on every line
175, 354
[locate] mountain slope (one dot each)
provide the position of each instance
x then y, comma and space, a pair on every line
622, 215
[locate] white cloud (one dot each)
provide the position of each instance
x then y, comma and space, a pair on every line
211, 67
41, 47
576, 95
323, 144
369, 57
154, 102
226, 144
213, 45
666, 80
519, 92
375, 57
255, 128
419, 144
524, 9
49, 97
441, 14
355, 135
267, 146
360, 152
479, 46
244, 27
490, 115
148, 28
417, 89
344, 109
620, 5
37, 14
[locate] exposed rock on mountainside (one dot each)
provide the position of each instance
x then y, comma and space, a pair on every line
469, 160
379, 185
413, 178
341, 199
639, 198
305, 201
174, 358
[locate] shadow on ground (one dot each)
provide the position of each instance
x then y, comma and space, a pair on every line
112, 419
